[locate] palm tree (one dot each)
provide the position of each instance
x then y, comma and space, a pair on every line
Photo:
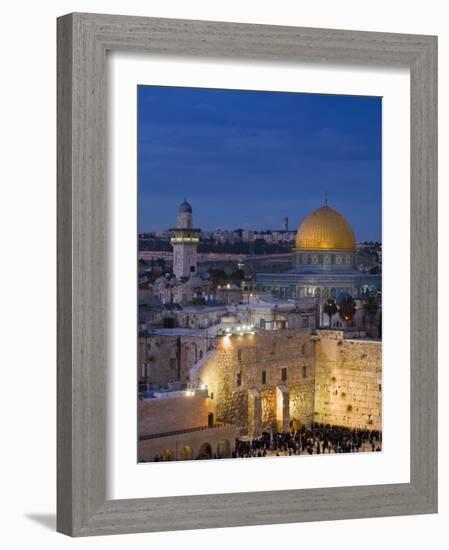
330, 309
370, 307
347, 308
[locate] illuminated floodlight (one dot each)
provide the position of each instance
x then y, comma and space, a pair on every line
203, 386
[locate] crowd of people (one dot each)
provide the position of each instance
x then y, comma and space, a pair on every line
313, 439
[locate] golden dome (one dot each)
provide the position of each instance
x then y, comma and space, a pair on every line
325, 229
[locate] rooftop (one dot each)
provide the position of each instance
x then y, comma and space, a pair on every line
175, 332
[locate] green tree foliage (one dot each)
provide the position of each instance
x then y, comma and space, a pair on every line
218, 276
347, 308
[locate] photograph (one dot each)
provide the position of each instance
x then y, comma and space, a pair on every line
259, 263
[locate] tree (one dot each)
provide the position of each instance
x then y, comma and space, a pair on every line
330, 309
218, 276
237, 275
370, 307
347, 308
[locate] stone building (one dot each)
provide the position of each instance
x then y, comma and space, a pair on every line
268, 313
229, 294
167, 355
178, 425
169, 289
151, 313
199, 317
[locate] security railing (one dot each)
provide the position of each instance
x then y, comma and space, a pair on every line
184, 431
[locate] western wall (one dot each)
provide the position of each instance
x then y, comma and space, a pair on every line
348, 381
250, 377
273, 378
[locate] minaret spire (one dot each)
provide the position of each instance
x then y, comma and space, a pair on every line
325, 198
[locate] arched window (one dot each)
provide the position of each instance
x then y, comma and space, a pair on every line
205, 451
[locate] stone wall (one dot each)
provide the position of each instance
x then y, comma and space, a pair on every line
177, 411
178, 426
190, 445
348, 386
260, 362
165, 357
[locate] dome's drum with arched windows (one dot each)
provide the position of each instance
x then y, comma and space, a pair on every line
324, 262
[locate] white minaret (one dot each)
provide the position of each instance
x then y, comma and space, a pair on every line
184, 243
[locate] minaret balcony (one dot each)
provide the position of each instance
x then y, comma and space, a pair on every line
184, 240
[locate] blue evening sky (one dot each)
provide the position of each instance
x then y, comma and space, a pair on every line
248, 159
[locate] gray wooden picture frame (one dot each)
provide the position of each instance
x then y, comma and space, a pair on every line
83, 40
